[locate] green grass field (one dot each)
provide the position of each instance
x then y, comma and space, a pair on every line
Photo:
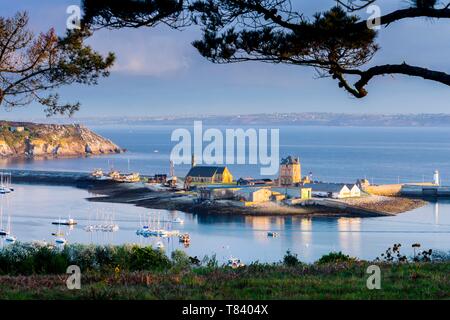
131, 272
329, 281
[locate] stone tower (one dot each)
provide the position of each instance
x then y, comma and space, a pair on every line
290, 171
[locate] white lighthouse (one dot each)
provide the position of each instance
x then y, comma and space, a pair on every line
436, 179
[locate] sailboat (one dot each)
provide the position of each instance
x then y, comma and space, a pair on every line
5, 183
10, 238
107, 225
178, 220
60, 240
3, 232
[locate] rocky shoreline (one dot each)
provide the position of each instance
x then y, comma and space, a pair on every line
31, 140
153, 197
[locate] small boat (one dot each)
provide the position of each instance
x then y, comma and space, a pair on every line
7, 233
157, 232
127, 177
235, 263
58, 234
103, 227
65, 222
147, 232
5, 183
10, 239
60, 241
110, 227
89, 228
4, 190
272, 234
143, 230
178, 220
184, 237
97, 173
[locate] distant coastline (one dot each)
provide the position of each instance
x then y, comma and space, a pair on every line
273, 119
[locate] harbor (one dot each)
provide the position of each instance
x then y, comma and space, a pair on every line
227, 216
242, 236
243, 197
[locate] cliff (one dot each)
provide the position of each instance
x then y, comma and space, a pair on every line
26, 139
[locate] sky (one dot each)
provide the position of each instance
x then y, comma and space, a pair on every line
158, 72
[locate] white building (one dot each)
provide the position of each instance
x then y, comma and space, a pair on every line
334, 190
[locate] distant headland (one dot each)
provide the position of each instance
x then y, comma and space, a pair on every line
293, 118
27, 139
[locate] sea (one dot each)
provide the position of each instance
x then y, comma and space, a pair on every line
332, 154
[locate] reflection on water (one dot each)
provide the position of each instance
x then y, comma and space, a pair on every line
32, 209
349, 234
436, 213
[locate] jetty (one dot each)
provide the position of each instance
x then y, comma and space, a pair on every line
418, 191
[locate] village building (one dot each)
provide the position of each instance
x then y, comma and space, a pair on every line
302, 192
253, 182
254, 195
211, 194
16, 129
209, 174
334, 190
290, 171
278, 196
158, 178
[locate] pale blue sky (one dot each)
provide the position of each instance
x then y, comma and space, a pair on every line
158, 72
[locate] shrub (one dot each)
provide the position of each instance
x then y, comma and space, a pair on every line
105, 255
81, 255
440, 256
210, 262
49, 261
181, 261
146, 258
20, 258
333, 257
290, 259
28, 259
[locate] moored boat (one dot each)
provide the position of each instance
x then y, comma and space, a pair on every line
235, 263
65, 222
60, 241
10, 239
178, 220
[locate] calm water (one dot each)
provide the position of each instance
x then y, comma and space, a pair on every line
32, 209
334, 154
382, 155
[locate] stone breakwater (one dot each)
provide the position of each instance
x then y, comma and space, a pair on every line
25, 139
